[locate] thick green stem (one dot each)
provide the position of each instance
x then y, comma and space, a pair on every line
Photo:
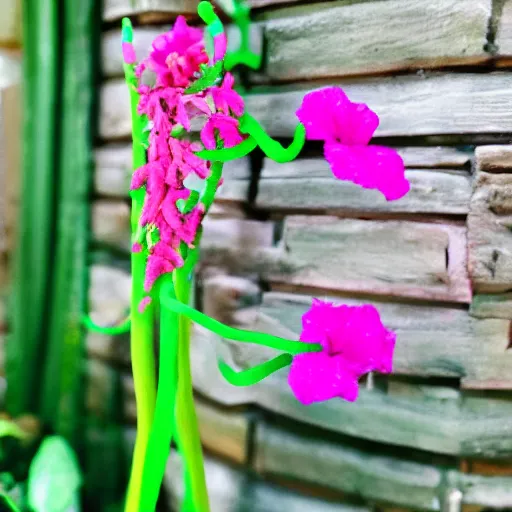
186, 419
196, 495
159, 443
141, 342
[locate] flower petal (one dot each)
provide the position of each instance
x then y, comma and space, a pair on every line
319, 110
373, 167
315, 377
329, 115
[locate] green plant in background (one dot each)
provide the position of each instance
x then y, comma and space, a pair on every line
37, 474
45, 347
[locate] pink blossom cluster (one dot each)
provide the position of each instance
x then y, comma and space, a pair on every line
175, 59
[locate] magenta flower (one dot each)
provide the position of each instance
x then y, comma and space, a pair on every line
354, 342
346, 128
226, 99
176, 55
222, 126
163, 259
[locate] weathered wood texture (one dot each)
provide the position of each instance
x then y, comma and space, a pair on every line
357, 472
492, 305
470, 425
308, 185
386, 257
425, 261
116, 9
368, 37
232, 490
370, 475
490, 221
436, 104
504, 30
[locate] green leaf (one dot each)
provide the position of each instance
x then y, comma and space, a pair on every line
208, 78
54, 477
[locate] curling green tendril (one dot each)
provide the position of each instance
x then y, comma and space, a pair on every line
244, 55
268, 145
258, 137
111, 330
255, 374
231, 333
227, 154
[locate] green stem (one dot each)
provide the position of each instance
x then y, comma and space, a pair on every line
159, 443
231, 333
227, 154
186, 418
196, 495
243, 55
257, 373
141, 342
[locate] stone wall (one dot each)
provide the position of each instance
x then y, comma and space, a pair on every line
437, 263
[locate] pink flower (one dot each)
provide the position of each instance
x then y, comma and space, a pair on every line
225, 127
346, 128
226, 99
184, 162
143, 304
176, 55
191, 225
162, 260
129, 56
220, 45
354, 342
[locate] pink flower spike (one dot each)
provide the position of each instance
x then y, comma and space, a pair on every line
226, 99
143, 304
225, 127
177, 55
354, 342
220, 45
136, 247
346, 128
129, 53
